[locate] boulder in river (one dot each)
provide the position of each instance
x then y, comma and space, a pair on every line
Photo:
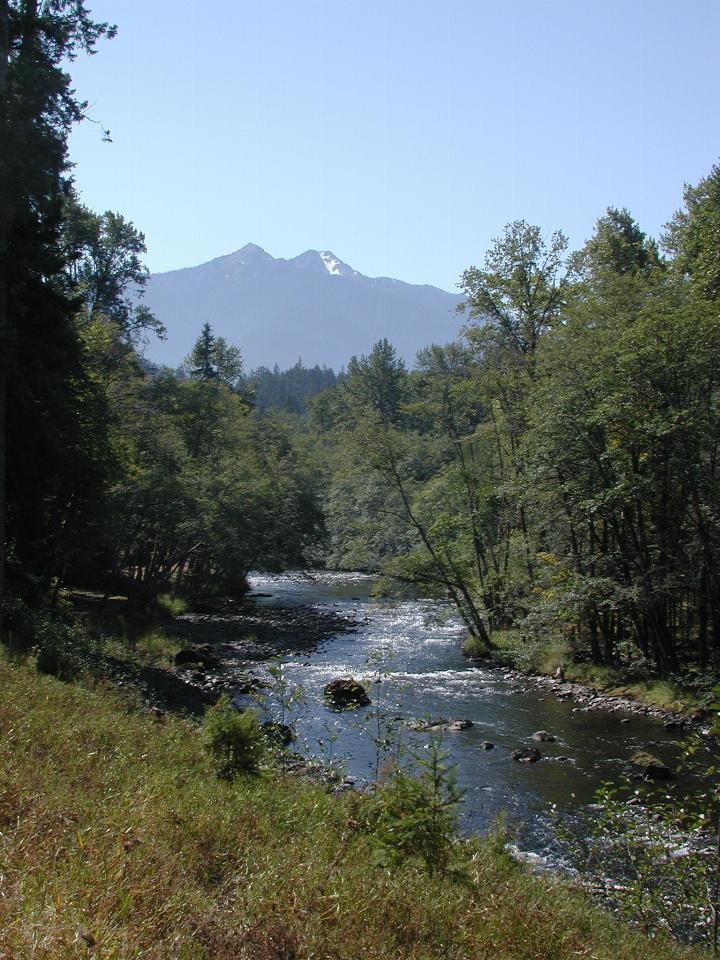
526, 755
346, 693
487, 745
439, 726
544, 737
279, 734
648, 766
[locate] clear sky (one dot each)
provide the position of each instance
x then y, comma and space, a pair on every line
400, 134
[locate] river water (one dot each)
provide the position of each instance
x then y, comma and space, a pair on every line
416, 646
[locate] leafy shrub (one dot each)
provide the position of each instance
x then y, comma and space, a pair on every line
19, 623
654, 856
62, 644
233, 738
647, 862
416, 814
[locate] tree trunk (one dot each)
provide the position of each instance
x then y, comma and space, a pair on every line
4, 237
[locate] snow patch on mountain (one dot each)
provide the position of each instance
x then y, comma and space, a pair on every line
332, 264
277, 309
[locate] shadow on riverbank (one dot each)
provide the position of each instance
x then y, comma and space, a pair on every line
235, 636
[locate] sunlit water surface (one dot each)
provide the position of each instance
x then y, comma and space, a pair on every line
416, 646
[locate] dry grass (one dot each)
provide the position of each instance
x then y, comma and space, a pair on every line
117, 841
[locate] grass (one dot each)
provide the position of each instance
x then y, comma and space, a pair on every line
170, 606
118, 841
545, 656
149, 647
156, 648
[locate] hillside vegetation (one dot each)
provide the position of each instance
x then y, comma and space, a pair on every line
117, 840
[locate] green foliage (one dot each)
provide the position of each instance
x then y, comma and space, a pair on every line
54, 414
375, 382
415, 814
654, 855
474, 648
171, 606
281, 699
692, 234
213, 359
103, 261
292, 389
155, 647
651, 861
234, 739
556, 472
384, 731
62, 643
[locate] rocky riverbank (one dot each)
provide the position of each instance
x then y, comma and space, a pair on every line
229, 638
588, 698
223, 641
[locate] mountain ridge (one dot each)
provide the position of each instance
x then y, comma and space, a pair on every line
313, 305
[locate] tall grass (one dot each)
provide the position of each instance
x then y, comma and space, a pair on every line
117, 840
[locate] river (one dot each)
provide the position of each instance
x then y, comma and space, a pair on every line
416, 646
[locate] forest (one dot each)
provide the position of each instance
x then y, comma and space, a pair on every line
548, 477
553, 470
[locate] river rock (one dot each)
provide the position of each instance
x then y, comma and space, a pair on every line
646, 765
247, 683
280, 734
202, 653
544, 737
487, 745
526, 755
674, 724
439, 726
346, 693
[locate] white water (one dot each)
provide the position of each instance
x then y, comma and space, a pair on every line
416, 646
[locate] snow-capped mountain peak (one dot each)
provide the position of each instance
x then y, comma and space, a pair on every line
312, 305
332, 264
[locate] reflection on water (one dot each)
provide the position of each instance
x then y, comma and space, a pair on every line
415, 646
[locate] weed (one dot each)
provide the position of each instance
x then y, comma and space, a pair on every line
233, 738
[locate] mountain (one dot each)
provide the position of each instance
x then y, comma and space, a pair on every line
312, 306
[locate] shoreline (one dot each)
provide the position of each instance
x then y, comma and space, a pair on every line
590, 698
235, 637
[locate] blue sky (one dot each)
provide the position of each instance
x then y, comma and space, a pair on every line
403, 134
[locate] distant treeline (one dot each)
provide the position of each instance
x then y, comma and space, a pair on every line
291, 389
557, 469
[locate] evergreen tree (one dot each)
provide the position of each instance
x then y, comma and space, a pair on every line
40, 355
213, 359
